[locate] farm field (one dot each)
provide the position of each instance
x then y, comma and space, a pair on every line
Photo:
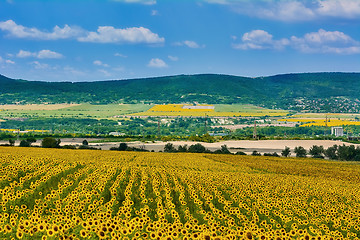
329, 115
330, 122
220, 110
54, 193
70, 111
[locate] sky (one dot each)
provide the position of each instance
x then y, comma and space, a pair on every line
88, 40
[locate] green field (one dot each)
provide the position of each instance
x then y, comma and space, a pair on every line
79, 111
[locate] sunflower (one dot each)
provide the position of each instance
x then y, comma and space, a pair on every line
83, 233
19, 234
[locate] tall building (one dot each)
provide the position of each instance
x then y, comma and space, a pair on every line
337, 131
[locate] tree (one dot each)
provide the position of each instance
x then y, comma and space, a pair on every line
169, 147
31, 140
316, 151
182, 148
123, 147
50, 142
11, 142
197, 148
225, 150
286, 152
24, 143
85, 143
331, 152
300, 152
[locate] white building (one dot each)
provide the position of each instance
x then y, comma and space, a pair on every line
337, 131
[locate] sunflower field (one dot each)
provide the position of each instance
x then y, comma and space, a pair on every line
84, 194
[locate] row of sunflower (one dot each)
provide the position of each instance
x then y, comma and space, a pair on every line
84, 194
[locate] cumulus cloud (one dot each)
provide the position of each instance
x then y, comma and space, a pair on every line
41, 54
19, 31
48, 54
339, 8
294, 10
104, 34
109, 34
157, 63
99, 63
154, 13
321, 41
260, 39
190, 44
326, 42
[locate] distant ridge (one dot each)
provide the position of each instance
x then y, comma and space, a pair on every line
279, 91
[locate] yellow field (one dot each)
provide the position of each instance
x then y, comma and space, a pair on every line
350, 116
126, 195
308, 122
177, 110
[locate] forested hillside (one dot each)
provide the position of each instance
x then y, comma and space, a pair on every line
307, 91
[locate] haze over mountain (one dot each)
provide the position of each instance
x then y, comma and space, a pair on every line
288, 91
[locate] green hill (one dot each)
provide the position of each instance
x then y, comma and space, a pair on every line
288, 91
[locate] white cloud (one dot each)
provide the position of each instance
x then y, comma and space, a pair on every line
19, 31
9, 61
109, 34
154, 12
24, 54
146, 2
39, 65
41, 54
157, 63
173, 58
120, 55
48, 54
99, 63
104, 34
294, 10
339, 8
315, 42
326, 42
190, 44
6, 61
260, 39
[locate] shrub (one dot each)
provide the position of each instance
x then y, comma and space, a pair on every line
256, 153
240, 153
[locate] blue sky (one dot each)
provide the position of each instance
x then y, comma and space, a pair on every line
121, 39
